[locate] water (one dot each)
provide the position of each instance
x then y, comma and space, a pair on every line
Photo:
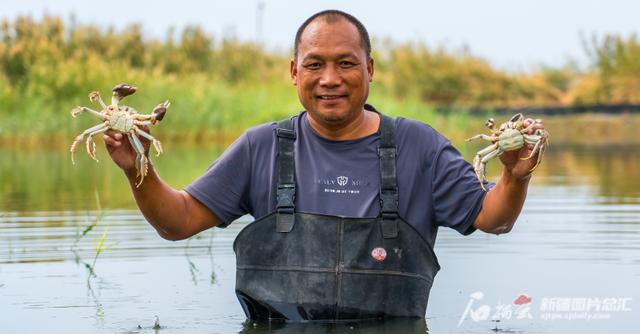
575, 251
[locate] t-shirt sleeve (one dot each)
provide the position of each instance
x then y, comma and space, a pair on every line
223, 188
457, 193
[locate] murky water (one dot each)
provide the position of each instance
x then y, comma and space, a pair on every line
575, 252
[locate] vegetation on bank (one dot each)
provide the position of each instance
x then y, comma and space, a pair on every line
222, 85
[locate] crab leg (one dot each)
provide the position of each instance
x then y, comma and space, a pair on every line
482, 136
144, 123
95, 96
142, 117
139, 148
157, 115
533, 139
80, 137
491, 156
480, 162
540, 154
479, 168
142, 161
483, 161
156, 143
539, 148
78, 110
488, 149
91, 145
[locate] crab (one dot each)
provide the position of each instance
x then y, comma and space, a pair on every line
123, 119
510, 136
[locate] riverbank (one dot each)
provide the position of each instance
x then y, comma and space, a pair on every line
221, 86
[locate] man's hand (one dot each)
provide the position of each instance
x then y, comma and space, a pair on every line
121, 151
515, 163
174, 214
503, 203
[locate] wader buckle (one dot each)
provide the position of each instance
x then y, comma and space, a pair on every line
285, 209
389, 213
285, 133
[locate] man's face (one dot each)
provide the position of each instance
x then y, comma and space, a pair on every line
332, 72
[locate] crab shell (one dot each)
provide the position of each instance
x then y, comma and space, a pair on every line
121, 120
510, 140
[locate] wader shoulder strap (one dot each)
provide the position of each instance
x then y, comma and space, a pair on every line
388, 182
286, 191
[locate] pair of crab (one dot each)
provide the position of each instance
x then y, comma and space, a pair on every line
509, 136
125, 120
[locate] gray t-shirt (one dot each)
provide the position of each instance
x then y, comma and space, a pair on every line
437, 187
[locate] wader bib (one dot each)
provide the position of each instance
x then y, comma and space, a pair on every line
299, 266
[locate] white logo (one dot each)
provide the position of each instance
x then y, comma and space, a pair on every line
342, 180
552, 308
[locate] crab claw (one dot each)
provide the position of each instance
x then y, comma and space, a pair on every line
516, 117
123, 90
94, 96
490, 123
159, 111
75, 111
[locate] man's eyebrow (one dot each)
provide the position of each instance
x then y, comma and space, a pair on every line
346, 55
319, 56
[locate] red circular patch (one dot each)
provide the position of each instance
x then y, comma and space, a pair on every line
522, 300
379, 254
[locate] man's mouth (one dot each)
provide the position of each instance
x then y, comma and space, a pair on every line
330, 97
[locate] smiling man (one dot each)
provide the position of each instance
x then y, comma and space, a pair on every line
332, 69
347, 201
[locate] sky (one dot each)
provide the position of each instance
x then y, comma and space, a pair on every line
510, 34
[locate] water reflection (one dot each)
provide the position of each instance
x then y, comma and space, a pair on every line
34, 181
580, 227
45, 180
408, 326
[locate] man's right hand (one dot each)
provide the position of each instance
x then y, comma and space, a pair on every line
120, 150
174, 214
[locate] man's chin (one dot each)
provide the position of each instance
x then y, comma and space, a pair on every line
333, 116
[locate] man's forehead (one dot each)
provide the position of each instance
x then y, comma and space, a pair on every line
322, 26
339, 38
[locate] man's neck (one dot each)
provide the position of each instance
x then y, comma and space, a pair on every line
365, 124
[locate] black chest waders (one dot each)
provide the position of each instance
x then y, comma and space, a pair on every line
297, 266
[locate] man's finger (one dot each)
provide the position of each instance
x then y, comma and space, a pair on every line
110, 141
533, 127
113, 138
528, 122
113, 134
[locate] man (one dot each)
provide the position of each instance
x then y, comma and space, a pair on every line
347, 201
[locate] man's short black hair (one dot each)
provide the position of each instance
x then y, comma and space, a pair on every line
333, 15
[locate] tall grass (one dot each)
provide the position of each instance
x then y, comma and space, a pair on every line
219, 86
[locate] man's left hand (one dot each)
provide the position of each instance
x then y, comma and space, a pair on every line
515, 162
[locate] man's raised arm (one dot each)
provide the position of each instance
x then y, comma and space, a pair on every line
502, 205
176, 215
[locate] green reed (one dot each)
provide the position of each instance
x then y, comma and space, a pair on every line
221, 85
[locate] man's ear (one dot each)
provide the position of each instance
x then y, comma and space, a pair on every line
294, 71
370, 69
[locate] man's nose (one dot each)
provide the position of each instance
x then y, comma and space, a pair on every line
330, 77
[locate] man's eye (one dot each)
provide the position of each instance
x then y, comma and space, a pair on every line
312, 66
345, 63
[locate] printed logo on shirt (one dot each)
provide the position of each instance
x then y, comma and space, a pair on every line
342, 180
342, 184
